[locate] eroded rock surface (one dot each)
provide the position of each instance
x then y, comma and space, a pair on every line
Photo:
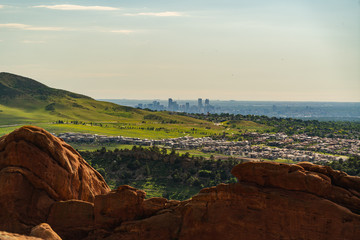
321, 181
44, 231
14, 236
41, 177
122, 204
36, 170
270, 201
72, 218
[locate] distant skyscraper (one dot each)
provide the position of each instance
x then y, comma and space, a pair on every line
187, 107
207, 102
170, 105
200, 103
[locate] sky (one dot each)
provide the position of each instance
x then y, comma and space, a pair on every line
266, 50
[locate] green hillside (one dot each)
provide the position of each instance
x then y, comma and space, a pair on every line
26, 101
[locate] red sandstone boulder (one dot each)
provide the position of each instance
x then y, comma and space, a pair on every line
321, 181
165, 225
153, 205
44, 231
14, 236
122, 204
72, 219
37, 169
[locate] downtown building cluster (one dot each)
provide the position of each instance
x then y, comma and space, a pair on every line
174, 106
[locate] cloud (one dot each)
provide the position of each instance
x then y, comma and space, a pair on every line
30, 41
122, 31
156, 14
29, 27
77, 7
2, 6
39, 28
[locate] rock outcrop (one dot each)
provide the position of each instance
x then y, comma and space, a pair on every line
321, 181
40, 232
44, 231
72, 218
269, 201
14, 236
36, 170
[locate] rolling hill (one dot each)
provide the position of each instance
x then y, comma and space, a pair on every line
26, 101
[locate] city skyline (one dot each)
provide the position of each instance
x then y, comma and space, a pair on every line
258, 50
177, 107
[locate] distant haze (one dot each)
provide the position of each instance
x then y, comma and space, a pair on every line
274, 50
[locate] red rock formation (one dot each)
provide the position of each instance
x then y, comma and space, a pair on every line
122, 204
44, 231
72, 219
40, 232
37, 169
270, 201
321, 181
14, 236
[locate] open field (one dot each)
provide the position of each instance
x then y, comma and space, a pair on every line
140, 129
171, 126
248, 126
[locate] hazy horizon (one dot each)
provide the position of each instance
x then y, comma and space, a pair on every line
195, 99
301, 50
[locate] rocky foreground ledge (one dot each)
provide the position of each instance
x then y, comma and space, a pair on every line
44, 180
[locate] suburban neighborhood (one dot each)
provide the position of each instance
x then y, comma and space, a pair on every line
255, 145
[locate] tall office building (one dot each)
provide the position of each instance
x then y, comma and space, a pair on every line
207, 102
200, 103
170, 104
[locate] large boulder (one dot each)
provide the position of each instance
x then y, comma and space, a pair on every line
72, 219
122, 204
321, 181
37, 169
44, 231
14, 236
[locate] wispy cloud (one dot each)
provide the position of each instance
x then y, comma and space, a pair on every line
156, 14
29, 27
122, 31
21, 26
2, 6
77, 7
32, 42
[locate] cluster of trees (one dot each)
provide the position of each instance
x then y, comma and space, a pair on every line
166, 170
177, 176
291, 126
350, 166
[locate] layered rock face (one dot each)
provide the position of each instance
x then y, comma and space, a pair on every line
36, 170
42, 179
270, 201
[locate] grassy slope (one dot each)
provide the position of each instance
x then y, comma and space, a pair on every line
25, 101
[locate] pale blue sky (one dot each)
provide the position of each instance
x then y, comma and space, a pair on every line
298, 50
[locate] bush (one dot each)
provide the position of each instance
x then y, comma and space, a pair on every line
205, 173
134, 165
50, 107
153, 117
